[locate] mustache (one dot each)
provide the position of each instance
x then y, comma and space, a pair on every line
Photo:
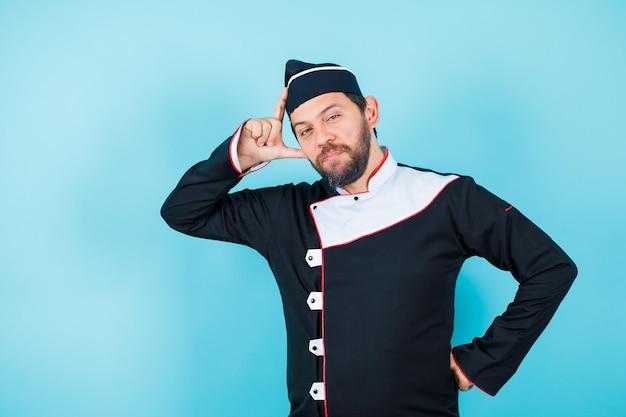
329, 148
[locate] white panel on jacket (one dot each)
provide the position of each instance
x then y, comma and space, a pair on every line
395, 194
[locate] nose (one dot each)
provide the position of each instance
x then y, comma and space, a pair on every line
323, 136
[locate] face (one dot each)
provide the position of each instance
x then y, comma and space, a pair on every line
335, 136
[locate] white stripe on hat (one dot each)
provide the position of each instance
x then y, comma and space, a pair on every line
293, 77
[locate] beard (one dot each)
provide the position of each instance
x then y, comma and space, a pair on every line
338, 174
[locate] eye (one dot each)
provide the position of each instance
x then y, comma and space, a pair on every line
305, 132
332, 117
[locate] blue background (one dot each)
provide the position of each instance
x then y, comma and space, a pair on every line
105, 311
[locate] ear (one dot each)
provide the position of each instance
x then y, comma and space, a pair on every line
371, 111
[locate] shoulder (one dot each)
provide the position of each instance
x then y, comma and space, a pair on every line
423, 178
456, 188
303, 192
421, 171
460, 181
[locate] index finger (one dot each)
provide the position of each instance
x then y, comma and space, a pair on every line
279, 111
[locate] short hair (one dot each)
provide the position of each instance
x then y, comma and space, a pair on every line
359, 100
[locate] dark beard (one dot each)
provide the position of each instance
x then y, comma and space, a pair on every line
359, 157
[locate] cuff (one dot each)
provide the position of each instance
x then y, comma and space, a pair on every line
467, 377
234, 158
487, 372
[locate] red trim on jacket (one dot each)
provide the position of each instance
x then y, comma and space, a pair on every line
386, 227
311, 208
380, 165
466, 377
230, 154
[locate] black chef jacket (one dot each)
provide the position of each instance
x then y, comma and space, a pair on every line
367, 280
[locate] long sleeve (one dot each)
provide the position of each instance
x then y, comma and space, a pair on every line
201, 205
493, 229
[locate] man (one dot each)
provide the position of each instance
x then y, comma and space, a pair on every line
366, 259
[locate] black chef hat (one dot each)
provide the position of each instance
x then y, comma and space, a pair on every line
306, 81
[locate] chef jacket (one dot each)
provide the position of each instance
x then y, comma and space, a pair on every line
368, 280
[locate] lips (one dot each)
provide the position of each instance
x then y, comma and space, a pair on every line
331, 153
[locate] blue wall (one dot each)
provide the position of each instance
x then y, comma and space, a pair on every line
104, 311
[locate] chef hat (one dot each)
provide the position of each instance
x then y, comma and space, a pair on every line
306, 81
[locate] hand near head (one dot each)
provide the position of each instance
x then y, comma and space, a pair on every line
261, 140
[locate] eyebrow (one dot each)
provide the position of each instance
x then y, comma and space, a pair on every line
318, 115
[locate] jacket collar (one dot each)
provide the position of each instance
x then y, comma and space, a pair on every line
381, 174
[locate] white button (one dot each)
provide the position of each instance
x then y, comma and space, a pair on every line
316, 347
315, 301
317, 391
313, 257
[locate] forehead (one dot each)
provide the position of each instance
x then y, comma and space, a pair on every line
312, 108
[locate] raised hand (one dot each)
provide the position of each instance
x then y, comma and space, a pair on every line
261, 140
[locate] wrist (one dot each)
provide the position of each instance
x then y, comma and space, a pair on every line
246, 163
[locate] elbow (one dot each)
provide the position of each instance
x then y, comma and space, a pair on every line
165, 215
168, 215
566, 274
181, 220
563, 270
573, 271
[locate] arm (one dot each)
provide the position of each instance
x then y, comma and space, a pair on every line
201, 205
493, 229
